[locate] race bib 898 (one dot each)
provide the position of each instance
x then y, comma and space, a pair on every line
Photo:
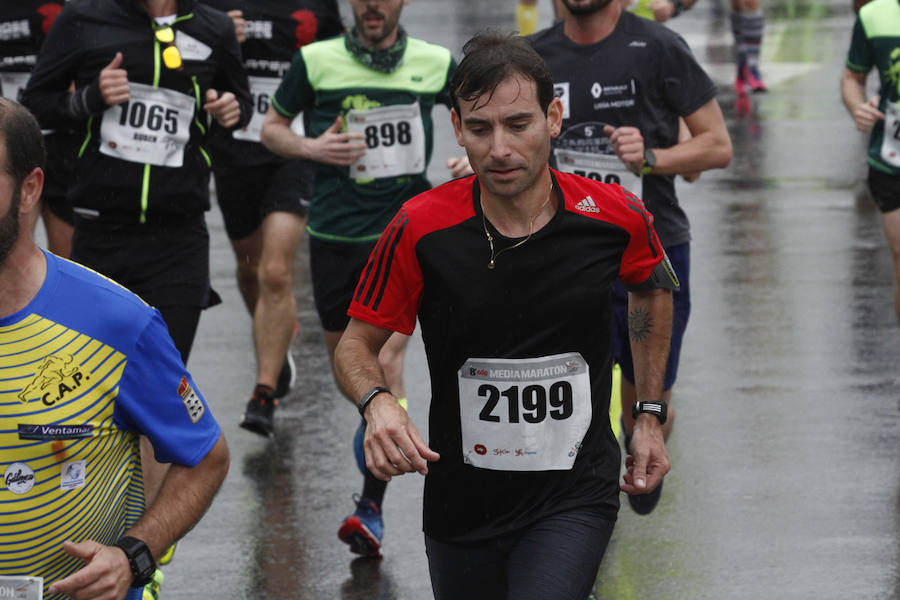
890, 145
395, 141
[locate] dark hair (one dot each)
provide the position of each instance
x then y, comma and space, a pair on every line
24, 143
492, 57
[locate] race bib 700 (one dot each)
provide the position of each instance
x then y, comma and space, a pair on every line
606, 168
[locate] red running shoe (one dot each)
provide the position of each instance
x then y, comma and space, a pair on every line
751, 76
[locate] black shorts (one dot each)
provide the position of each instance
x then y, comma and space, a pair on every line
246, 195
885, 190
165, 262
335, 269
554, 559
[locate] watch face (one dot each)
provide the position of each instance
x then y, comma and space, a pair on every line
143, 562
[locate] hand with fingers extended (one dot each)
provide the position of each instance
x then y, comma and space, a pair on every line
113, 82
392, 443
225, 109
106, 574
865, 115
336, 148
628, 144
648, 461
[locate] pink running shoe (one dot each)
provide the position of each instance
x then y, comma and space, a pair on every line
751, 76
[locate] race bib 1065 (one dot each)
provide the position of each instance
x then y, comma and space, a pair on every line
153, 127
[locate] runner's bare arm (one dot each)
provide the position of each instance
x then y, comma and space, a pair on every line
865, 113
393, 444
709, 146
332, 147
185, 495
649, 331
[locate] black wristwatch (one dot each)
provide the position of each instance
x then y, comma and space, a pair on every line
659, 409
142, 564
370, 395
649, 162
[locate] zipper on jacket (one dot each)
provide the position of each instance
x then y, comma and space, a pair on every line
145, 180
145, 183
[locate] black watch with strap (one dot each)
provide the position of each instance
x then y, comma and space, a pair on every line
142, 564
370, 395
658, 409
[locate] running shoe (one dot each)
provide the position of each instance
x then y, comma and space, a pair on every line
358, 451
363, 529
258, 417
643, 504
151, 590
286, 377
166, 558
751, 76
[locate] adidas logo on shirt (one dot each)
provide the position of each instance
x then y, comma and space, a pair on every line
587, 205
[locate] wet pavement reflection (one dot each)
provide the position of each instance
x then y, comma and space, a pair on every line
786, 456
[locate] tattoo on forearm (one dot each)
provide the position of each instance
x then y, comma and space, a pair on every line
639, 324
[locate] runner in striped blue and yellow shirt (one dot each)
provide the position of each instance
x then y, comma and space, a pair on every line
85, 368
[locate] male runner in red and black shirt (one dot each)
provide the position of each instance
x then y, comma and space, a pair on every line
509, 273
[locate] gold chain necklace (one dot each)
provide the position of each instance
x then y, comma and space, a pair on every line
490, 238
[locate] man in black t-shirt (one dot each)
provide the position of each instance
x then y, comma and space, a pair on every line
264, 197
623, 82
509, 275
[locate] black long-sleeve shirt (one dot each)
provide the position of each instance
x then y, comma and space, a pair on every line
143, 158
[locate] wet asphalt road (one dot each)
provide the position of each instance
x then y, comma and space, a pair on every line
786, 456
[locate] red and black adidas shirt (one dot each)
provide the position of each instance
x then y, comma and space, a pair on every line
548, 297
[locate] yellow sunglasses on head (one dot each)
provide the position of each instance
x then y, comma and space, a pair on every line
171, 55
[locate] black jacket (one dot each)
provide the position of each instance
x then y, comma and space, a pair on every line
84, 39
276, 29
